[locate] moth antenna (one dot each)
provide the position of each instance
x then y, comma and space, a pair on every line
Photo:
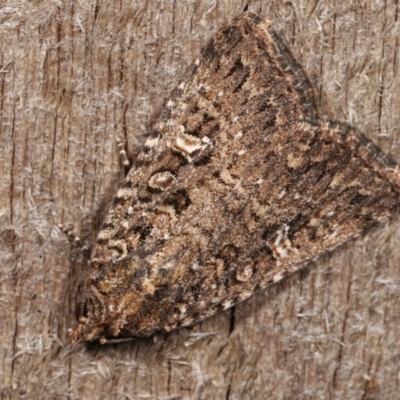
83, 301
120, 340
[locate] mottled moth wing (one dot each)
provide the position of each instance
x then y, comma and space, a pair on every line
239, 184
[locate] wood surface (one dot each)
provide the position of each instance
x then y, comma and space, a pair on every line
76, 76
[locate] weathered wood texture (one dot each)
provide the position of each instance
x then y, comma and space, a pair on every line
77, 75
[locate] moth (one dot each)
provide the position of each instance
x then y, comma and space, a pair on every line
239, 184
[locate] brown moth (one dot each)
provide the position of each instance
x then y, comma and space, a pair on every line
239, 184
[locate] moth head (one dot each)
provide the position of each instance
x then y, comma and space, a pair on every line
96, 319
87, 332
88, 314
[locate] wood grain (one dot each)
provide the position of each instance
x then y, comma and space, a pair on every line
76, 76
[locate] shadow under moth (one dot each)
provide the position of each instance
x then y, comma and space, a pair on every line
239, 184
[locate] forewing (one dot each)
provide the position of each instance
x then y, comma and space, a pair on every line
245, 84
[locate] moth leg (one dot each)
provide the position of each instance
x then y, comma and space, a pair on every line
72, 238
124, 158
76, 241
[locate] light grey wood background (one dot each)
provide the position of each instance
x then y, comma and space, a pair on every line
77, 75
